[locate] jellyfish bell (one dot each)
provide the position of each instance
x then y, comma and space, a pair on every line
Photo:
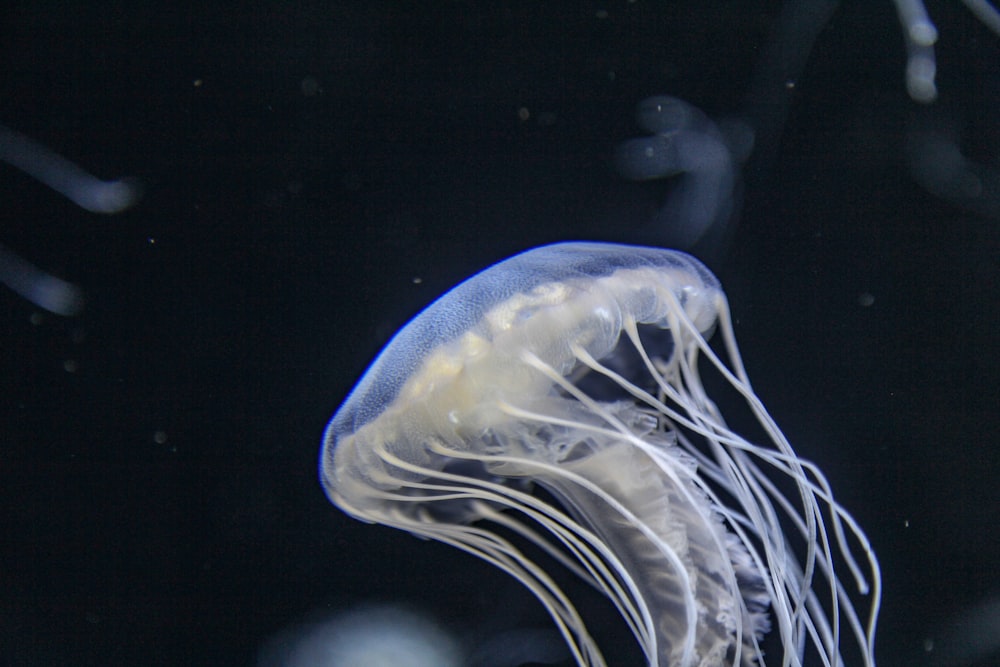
578, 367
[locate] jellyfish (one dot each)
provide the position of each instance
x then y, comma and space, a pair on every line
83, 189
398, 635
377, 635
561, 399
972, 637
921, 34
704, 156
683, 142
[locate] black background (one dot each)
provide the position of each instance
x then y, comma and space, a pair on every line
305, 162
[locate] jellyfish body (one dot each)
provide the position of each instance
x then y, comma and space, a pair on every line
578, 367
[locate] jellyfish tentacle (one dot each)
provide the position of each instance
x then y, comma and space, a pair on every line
66, 177
686, 144
579, 368
85, 190
39, 287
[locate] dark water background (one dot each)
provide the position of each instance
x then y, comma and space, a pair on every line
306, 162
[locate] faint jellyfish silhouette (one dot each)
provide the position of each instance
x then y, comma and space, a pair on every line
704, 156
376, 636
971, 638
83, 189
938, 164
382, 635
936, 159
921, 35
583, 368
683, 142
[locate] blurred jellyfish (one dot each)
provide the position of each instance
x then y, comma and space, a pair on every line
683, 142
397, 636
704, 156
83, 189
972, 638
802, 20
938, 164
933, 142
378, 636
921, 35
583, 368
39, 287
68, 179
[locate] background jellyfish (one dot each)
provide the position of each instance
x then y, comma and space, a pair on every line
86, 191
576, 367
936, 158
705, 157
683, 142
921, 35
394, 635
380, 636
